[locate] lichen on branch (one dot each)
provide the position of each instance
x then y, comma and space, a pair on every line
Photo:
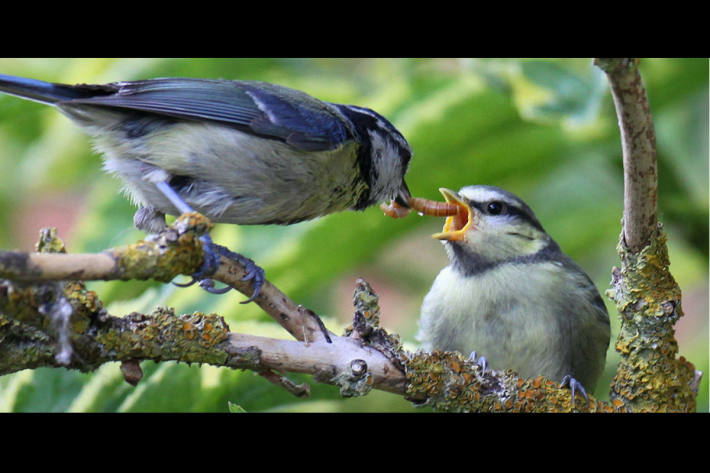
649, 377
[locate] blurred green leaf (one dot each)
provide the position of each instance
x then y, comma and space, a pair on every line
573, 96
235, 408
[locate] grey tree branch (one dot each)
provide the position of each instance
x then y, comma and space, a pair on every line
638, 142
649, 376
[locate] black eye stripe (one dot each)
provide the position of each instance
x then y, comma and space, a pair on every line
502, 207
508, 209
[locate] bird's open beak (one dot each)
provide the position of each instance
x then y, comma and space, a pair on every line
457, 225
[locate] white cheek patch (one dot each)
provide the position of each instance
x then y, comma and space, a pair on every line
386, 162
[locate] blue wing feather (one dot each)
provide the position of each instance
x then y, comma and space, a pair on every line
263, 109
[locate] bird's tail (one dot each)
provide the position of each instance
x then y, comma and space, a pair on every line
43, 92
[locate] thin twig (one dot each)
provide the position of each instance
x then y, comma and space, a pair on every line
298, 390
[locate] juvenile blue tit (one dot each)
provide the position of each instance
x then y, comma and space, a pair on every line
239, 152
512, 296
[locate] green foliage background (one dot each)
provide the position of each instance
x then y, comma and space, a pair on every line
543, 129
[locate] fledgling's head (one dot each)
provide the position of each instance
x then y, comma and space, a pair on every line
492, 226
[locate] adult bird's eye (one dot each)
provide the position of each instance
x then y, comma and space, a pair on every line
495, 208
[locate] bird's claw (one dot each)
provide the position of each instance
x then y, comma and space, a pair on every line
256, 274
210, 261
253, 272
212, 253
574, 385
481, 362
185, 284
208, 285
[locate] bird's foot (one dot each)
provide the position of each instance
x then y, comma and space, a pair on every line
480, 362
254, 273
210, 263
574, 385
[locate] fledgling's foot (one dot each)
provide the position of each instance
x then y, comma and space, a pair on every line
481, 362
574, 385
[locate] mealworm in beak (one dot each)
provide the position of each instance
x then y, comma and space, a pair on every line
428, 207
433, 208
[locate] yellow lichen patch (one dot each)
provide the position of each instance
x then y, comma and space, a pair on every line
450, 382
49, 242
193, 222
649, 377
455, 366
163, 335
177, 250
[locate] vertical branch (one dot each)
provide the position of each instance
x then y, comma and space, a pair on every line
638, 141
649, 376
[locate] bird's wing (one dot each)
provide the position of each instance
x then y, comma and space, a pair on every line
262, 109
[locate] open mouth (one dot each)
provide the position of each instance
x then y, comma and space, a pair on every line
456, 225
459, 215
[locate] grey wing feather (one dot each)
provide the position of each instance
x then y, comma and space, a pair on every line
266, 111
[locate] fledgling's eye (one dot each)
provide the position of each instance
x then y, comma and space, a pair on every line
495, 208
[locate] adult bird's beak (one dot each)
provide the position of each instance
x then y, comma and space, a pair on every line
403, 197
457, 225
401, 205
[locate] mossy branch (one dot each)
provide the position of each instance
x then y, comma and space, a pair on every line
649, 376
365, 357
34, 296
176, 250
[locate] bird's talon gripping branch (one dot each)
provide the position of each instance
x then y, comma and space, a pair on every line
254, 273
209, 266
481, 362
574, 385
208, 285
210, 263
186, 284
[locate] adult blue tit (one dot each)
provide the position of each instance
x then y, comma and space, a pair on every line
240, 152
511, 295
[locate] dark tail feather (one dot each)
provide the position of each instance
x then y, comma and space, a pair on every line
45, 92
